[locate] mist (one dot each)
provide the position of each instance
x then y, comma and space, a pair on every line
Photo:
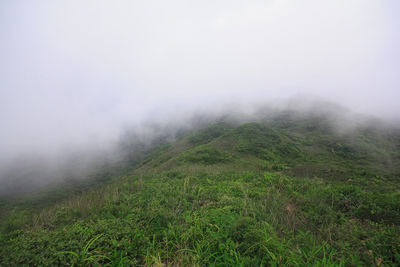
77, 76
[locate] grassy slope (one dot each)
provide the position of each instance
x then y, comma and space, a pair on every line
282, 192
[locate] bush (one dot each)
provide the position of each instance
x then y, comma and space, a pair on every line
207, 155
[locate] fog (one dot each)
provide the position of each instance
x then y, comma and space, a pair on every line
75, 76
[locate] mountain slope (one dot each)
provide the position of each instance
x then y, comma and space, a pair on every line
280, 190
300, 152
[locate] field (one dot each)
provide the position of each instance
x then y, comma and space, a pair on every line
275, 192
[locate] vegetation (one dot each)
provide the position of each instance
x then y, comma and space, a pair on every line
206, 155
261, 193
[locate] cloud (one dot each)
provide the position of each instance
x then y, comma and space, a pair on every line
75, 73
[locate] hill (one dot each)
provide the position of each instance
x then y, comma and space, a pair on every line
282, 189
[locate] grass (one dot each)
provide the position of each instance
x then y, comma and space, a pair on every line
226, 196
84, 257
248, 219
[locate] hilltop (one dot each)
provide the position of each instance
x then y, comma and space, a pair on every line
282, 188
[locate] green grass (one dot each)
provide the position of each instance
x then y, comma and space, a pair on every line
247, 219
206, 155
249, 195
84, 257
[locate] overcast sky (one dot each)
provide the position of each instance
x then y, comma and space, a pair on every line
73, 72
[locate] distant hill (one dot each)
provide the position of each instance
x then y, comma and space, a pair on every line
282, 187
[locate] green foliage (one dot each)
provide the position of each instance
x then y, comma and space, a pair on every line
206, 155
237, 219
14, 221
84, 257
264, 142
210, 133
252, 195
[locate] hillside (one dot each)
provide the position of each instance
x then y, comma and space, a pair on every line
280, 190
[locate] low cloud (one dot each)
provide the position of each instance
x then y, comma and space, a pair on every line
75, 75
